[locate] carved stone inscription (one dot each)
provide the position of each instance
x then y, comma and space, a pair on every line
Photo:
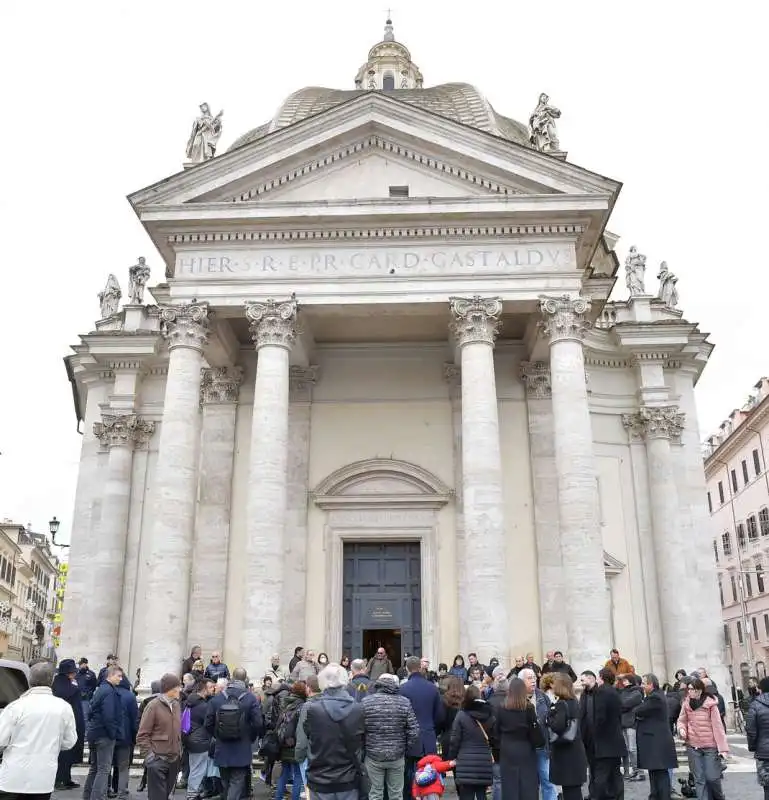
376, 262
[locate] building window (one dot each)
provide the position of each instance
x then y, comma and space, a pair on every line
742, 540
721, 491
388, 82
763, 521
721, 593
726, 543
734, 481
727, 637
13, 576
739, 631
715, 549
710, 503
755, 629
745, 471
752, 528
756, 463
734, 589
766, 625
760, 578
748, 585
399, 191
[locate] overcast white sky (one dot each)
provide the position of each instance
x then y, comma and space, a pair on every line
99, 99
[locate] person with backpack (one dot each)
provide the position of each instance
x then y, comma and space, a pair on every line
360, 683
288, 720
234, 719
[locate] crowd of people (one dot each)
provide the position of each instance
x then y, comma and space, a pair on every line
363, 729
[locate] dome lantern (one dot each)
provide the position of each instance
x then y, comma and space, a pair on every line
389, 66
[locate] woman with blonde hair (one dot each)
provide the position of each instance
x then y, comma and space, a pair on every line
568, 762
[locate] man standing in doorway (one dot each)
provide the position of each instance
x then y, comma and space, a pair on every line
379, 665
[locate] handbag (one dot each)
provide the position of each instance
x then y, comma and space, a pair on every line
486, 737
569, 735
364, 782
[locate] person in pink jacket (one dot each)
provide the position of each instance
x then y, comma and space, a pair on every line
701, 728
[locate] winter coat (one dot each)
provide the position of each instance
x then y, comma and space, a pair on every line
237, 753
33, 730
443, 728
655, 746
702, 727
360, 686
472, 737
130, 717
379, 666
216, 671
198, 740
568, 762
460, 672
542, 707
426, 702
391, 726
330, 769
630, 697
601, 722
290, 707
303, 670
438, 786
519, 736
271, 705
757, 727
160, 729
563, 667
86, 681
673, 700
105, 717
72, 693
622, 667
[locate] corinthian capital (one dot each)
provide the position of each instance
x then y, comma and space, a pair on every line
655, 422
475, 319
126, 430
563, 318
536, 377
273, 322
185, 326
220, 384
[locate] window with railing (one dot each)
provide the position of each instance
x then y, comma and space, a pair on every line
726, 543
742, 539
752, 528
763, 521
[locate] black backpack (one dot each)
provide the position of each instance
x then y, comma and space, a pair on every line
229, 720
287, 726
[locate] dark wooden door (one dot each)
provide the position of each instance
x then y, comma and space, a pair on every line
382, 591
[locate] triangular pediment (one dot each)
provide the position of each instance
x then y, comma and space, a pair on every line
315, 160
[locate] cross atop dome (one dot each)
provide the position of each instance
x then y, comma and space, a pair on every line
389, 66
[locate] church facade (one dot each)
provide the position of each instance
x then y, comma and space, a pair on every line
381, 396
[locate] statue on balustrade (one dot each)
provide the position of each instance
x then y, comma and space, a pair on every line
542, 131
138, 275
109, 299
205, 134
635, 271
667, 291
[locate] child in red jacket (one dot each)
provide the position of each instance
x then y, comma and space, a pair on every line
428, 778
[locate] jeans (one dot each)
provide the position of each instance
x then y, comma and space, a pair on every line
303, 769
385, 772
234, 782
100, 763
289, 769
122, 761
707, 773
198, 769
543, 769
630, 761
161, 776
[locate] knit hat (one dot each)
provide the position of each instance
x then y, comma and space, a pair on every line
67, 667
168, 681
387, 680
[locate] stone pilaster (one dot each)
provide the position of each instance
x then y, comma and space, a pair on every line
273, 329
475, 324
210, 551
536, 379
584, 598
118, 433
452, 374
301, 383
169, 559
658, 425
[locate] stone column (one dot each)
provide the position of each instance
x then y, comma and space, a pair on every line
118, 433
210, 550
584, 580
658, 425
453, 377
301, 382
273, 328
169, 559
536, 377
475, 325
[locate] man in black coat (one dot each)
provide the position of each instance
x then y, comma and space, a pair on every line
656, 748
757, 730
601, 726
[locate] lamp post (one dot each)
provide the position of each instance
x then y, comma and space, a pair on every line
53, 527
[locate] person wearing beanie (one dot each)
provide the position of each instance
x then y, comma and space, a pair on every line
66, 687
160, 739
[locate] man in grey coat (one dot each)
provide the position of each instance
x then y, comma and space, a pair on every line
391, 727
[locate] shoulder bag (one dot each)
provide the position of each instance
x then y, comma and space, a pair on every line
571, 732
364, 782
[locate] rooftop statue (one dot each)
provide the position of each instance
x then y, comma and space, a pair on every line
635, 270
667, 291
542, 131
110, 297
205, 134
138, 275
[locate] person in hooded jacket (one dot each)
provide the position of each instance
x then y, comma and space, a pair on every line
198, 741
473, 736
757, 730
65, 685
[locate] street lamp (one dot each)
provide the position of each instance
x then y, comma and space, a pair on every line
53, 527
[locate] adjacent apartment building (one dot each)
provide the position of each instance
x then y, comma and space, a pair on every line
738, 499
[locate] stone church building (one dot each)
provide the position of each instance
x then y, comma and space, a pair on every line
380, 396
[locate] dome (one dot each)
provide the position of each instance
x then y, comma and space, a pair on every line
389, 69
